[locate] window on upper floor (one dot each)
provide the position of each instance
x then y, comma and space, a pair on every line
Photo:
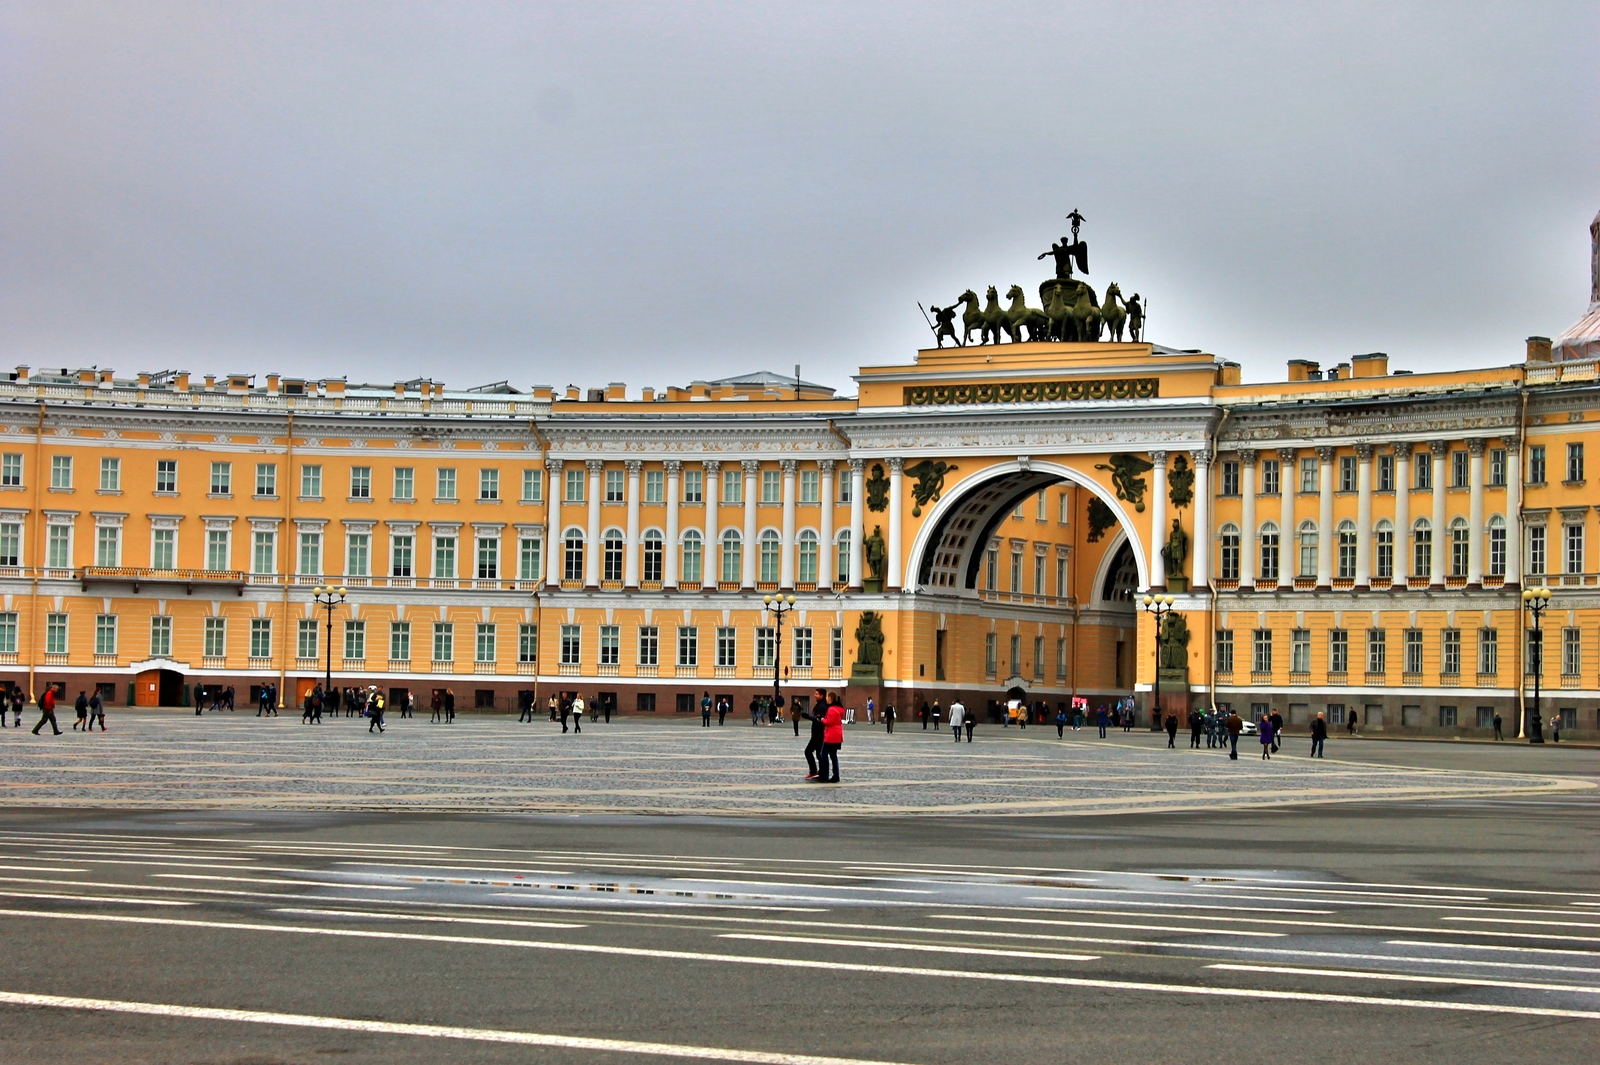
810, 486
1497, 467
1460, 466
445, 483
655, 486
110, 475
1308, 474
1574, 463
771, 486
1536, 464
616, 488
221, 478
488, 485
694, 486
11, 470
1270, 477
1347, 473
1424, 467
1385, 473
61, 471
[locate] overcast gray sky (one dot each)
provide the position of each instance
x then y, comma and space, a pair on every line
652, 193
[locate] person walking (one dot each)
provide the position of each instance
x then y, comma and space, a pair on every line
871, 709
1100, 719
577, 713
1319, 735
1235, 725
16, 708
969, 720
565, 712
888, 717
1555, 727
1277, 730
1061, 722
723, 706
82, 707
705, 710
1268, 735
47, 710
1172, 729
832, 740
817, 716
97, 712
957, 716
1195, 724
1497, 724
449, 706
1350, 723
937, 711
437, 705
524, 708
375, 712
408, 708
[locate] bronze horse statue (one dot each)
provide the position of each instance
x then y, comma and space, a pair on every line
1113, 313
987, 322
1020, 316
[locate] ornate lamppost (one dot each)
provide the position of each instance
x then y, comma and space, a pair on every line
328, 597
1536, 600
1159, 606
779, 605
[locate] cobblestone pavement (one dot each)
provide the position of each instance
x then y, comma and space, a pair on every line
221, 761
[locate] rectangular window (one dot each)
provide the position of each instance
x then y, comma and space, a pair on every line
399, 641
1038, 575
1383, 552
355, 641
160, 637
1488, 651
732, 486
306, 638
1308, 475
766, 647
358, 549
1377, 651
1574, 463
1347, 473
655, 486
163, 548
1016, 569
991, 566
216, 637
55, 634
1536, 549
1338, 650
649, 645
445, 483
221, 478
571, 645
1572, 538
532, 486
58, 547
1424, 471
527, 643
110, 475
311, 552
727, 647
1230, 478
810, 486
444, 556
264, 551
484, 651
1038, 658
1385, 473
1064, 509
991, 652
802, 647
1458, 469
574, 485
771, 486
1224, 650
1497, 550
105, 633
11, 470
1269, 556
360, 482
1571, 652
615, 489
693, 486
688, 646
1447, 717
1061, 658
61, 471
1061, 575
1497, 467
1413, 651
400, 553
1536, 464
405, 483
836, 648
488, 557
444, 641
10, 543
847, 486
530, 558
1422, 552
1450, 652
1015, 664
107, 546
1300, 651
260, 637
488, 484
266, 479
1270, 477
1261, 651
8, 632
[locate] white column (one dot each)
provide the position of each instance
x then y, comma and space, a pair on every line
1441, 535
786, 562
751, 468
1514, 533
1288, 543
553, 530
712, 561
630, 550
858, 521
591, 558
1247, 515
1202, 520
1363, 515
669, 564
1402, 514
1324, 517
825, 550
1158, 519
1475, 517
892, 579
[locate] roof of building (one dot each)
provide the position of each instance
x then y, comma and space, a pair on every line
768, 379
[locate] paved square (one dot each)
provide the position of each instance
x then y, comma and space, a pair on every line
239, 761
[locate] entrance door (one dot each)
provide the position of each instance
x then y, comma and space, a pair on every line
158, 687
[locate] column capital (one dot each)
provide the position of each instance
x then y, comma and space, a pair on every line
711, 465
1364, 451
1477, 444
1286, 454
1159, 458
751, 465
1201, 458
673, 465
896, 464
554, 465
1325, 453
858, 465
1247, 456
1512, 445
1403, 450
788, 466
634, 466
595, 465
825, 465
1440, 448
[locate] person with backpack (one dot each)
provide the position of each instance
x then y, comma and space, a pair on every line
706, 708
82, 707
97, 712
47, 710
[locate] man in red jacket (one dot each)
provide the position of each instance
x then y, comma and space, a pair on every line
832, 740
47, 706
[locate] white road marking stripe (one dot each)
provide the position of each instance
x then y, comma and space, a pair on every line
879, 944
1491, 946
892, 970
90, 898
1058, 899
441, 918
1513, 920
429, 1031
270, 880
1407, 977
41, 869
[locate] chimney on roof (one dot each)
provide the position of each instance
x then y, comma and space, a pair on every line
1372, 364
22, 374
1303, 369
617, 390
1538, 349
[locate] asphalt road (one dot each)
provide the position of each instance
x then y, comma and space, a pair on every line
1453, 929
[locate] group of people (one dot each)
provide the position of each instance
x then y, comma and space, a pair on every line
566, 706
90, 709
221, 698
370, 703
827, 736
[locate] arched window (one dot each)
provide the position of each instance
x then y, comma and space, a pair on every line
1269, 552
653, 556
572, 556
732, 557
1460, 538
1308, 549
842, 570
1497, 546
1421, 548
612, 559
807, 569
1229, 539
1383, 549
771, 551
692, 555
1347, 549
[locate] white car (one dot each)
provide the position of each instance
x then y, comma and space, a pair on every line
1249, 729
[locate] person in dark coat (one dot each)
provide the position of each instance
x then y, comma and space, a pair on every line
1196, 723
816, 715
1277, 730
1319, 734
1172, 729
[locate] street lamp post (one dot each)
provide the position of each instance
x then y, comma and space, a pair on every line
328, 597
1159, 606
1536, 600
779, 605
